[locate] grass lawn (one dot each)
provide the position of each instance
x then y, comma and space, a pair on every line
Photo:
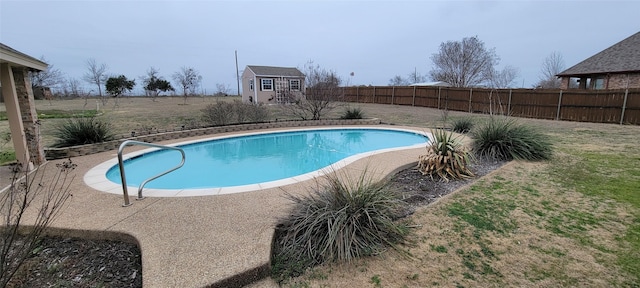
571, 221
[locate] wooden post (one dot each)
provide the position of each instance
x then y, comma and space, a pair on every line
393, 94
413, 102
374, 94
624, 105
357, 94
439, 90
509, 105
559, 105
470, 95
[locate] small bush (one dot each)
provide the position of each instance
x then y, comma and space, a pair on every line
446, 158
504, 139
352, 113
249, 112
224, 113
80, 131
220, 113
462, 125
340, 220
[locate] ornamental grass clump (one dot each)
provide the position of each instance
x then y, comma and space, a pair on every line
447, 158
339, 221
352, 113
462, 125
505, 139
80, 131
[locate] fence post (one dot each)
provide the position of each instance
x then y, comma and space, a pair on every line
413, 103
357, 94
374, 94
509, 105
393, 93
470, 95
439, 89
559, 105
624, 105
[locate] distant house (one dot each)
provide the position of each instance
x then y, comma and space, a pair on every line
267, 84
617, 67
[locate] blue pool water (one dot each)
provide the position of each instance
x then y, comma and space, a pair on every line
252, 159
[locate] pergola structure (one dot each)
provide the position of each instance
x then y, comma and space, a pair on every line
20, 105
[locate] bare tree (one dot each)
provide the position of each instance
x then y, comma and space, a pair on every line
398, 81
222, 89
551, 66
323, 93
465, 63
96, 74
73, 88
503, 79
416, 77
49, 78
45, 196
189, 79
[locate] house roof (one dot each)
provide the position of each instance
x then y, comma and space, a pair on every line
17, 58
623, 56
276, 71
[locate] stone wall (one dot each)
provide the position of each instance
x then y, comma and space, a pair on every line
74, 151
27, 105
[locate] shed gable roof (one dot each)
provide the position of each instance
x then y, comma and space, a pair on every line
275, 71
623, 56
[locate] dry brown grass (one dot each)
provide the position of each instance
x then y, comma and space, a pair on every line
529, 256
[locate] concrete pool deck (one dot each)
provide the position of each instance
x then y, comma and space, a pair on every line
200, 241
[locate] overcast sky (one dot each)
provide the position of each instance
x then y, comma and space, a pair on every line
373, 39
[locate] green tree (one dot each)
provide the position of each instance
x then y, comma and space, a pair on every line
116, 86
154, 84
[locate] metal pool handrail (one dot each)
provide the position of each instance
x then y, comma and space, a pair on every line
121, 166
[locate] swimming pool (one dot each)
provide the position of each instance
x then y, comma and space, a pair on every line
251, 161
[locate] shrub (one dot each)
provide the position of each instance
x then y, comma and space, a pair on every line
220, 113
462, 125
352, 113
30, 192
504, 139
224, 113
340, 220
446, 157
80, 131
249, 112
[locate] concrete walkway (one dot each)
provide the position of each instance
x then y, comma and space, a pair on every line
206, 241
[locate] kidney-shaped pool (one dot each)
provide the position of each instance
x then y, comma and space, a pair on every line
250, 161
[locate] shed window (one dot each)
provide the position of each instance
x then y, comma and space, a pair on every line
294, 85
251, 84
266, 84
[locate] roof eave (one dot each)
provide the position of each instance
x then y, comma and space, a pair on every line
17, 58
596, 73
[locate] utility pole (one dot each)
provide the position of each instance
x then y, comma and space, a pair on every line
237, 73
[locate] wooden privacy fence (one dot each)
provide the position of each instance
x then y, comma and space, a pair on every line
599, 106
